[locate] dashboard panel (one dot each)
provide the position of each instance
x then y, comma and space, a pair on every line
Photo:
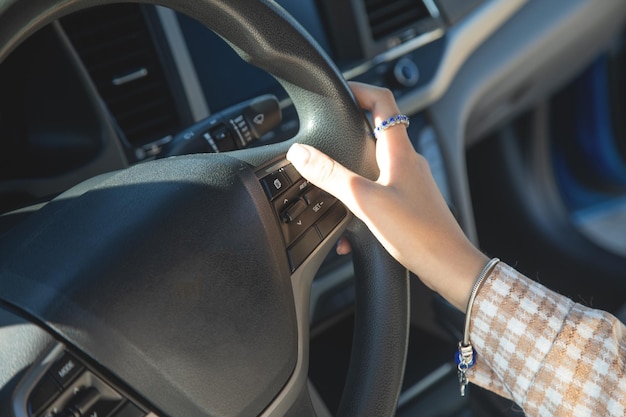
158, 72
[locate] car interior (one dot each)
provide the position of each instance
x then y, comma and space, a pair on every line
160, 257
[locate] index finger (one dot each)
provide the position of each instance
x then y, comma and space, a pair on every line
377, 100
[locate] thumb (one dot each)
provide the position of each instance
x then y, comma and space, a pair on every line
326, 173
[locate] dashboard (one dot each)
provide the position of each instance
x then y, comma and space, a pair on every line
159, 72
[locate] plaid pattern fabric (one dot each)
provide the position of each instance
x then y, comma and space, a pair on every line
551, 356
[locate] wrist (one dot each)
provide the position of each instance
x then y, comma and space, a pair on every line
457, 278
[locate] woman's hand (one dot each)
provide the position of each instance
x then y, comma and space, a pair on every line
403, 208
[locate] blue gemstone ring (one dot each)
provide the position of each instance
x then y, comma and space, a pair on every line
400, 119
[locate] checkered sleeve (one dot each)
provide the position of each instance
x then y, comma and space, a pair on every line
551, 356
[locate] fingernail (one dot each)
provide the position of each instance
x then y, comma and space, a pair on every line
342, 248
298, 154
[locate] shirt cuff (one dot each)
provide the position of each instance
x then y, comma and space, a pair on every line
515, 322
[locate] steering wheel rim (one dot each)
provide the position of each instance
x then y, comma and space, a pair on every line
266, 36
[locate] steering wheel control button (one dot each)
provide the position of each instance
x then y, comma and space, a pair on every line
275, 184
88, 398
65, 369
292, 173
286, 200
101, 408
303, 247
129, 410
334, 216
310, 196
318, 203
43, 394
294, 211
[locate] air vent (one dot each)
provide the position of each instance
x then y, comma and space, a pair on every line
116, 47
387, 17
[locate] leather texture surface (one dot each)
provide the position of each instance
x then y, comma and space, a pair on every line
380, 331
145, 275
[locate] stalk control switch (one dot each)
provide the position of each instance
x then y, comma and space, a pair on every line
234, 128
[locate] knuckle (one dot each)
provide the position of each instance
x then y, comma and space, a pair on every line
326, 170
386, 94
422, 163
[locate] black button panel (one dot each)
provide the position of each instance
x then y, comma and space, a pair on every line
307, 215
130, 410
43, 394
69, 389
303, 247
334, 216
290, 196
65, 369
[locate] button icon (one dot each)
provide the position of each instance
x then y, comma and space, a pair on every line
259, 119
277, 184
66, 369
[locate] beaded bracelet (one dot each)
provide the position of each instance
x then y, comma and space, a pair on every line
465, 355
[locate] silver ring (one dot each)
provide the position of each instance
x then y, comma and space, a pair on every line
400, 119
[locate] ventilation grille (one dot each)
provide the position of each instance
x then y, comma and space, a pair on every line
116, 47
387, 17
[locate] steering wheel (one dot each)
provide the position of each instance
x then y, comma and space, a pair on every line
173, 276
